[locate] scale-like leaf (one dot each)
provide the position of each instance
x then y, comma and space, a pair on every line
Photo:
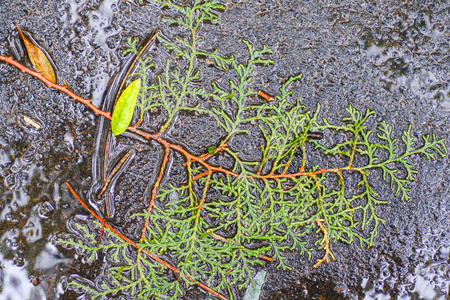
123, 112
38, 58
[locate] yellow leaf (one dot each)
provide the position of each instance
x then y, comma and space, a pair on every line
124, 110
38, 58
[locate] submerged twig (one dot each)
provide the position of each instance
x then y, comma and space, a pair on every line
162, 170
135, 60
111, 175
157, 137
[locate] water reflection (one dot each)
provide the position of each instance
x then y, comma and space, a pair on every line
16, 285
429, 280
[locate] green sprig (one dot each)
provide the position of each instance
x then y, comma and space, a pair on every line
217, 226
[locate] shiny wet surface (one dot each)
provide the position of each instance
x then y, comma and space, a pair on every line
390, 57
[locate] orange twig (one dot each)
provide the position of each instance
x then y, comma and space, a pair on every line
264, 257
61, 88
203, 199
107, 115
154, 191
114, 171
189, 159
140, 249
200, 175
162, 141
265, 96
208, 155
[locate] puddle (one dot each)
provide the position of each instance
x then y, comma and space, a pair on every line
16, 284
19, 284
428, 280
17, 174
429, 276
96, 19
426, 85
38, 151
25, 231
410, 57
95, 33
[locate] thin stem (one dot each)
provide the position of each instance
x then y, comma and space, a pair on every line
157, 137
155, 190
140, 249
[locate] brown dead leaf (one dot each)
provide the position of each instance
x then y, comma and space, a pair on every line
38, 58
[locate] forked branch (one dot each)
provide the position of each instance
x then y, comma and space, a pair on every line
140, 249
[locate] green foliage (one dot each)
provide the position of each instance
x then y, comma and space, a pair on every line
125, 273
219, 224
124, 109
